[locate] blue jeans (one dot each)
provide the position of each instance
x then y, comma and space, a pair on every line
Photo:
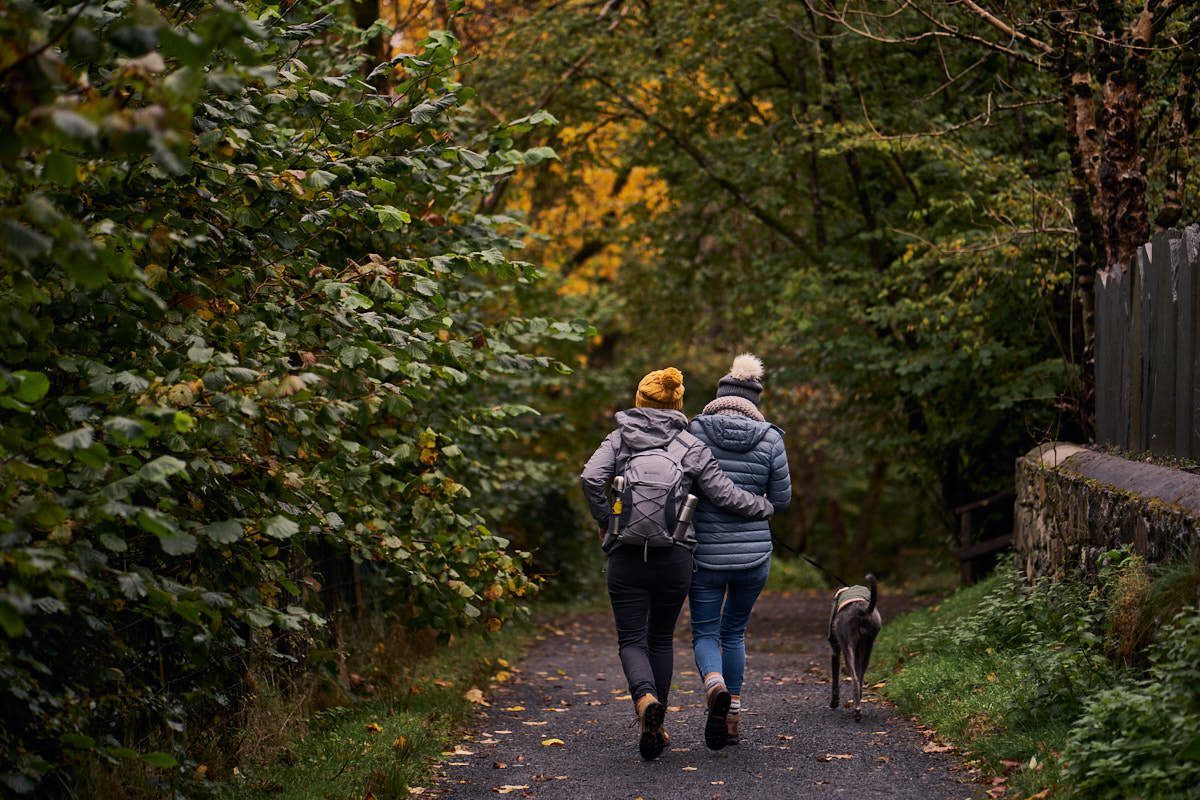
721, 601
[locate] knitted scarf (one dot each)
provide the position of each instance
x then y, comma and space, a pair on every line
733, 405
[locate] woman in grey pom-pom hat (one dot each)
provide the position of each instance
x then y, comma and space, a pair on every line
733, 553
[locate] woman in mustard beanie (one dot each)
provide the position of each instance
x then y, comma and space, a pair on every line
649, 566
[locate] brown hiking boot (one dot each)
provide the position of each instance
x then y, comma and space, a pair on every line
716, 734
733, 734
652, 738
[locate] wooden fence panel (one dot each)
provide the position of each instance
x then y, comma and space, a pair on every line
1147, 350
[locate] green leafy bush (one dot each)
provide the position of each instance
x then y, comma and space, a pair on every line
257, 345
1043, 675
1142, 739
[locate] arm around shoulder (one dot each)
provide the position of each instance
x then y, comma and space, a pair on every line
715, 485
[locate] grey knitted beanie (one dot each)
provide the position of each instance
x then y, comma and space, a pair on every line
744, 379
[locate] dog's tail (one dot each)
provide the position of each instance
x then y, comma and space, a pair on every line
871, 582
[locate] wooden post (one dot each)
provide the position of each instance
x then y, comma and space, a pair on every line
1164, 269
1124, 321
1106, 383
1139, 324
1192, 250
1187, 299
1112, 357
964, 542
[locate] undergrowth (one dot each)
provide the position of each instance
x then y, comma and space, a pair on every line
1065, 688
383, 744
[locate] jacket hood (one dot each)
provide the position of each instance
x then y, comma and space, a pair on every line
736, 434
643, 428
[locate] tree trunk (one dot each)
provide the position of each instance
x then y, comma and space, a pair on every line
366, 13
866, 520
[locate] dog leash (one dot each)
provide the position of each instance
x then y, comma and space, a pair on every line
796, 552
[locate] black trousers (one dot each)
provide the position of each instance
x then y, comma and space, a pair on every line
646, 598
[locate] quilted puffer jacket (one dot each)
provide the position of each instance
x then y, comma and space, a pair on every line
753, 456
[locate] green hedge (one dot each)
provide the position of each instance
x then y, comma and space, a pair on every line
257, 357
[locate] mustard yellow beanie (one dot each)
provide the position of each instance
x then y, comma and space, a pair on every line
662, 388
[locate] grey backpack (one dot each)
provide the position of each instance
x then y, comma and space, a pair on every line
655, 488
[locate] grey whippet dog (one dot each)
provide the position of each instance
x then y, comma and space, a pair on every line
853, 625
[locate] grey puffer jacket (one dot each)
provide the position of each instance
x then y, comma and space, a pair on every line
752, 454
643, 428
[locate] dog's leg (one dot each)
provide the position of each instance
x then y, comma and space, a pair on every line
851, 658
864, 659
835, 678
863, 656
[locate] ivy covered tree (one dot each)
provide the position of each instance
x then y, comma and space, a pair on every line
258, 343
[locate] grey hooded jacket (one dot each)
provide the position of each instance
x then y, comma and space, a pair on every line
642, 428
752, 454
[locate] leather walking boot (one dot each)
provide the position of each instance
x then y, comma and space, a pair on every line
652, 738
716, 734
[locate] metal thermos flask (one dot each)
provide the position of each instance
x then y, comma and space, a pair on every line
614, 519
683, 526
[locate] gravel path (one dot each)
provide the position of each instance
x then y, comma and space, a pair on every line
562, 728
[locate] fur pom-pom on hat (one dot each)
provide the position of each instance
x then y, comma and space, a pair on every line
747, 367
744, 379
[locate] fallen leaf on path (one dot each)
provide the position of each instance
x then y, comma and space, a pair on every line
787, 737
488, 741
717, 783
623, 697
501, 733
510, 788
882, 759
514, 708
933, 747
594, 703
502, 676
459, 750
416, 790
674, 709
443, 683
476, 696
690, 769
543, 722
502, 662
834, 757
553, 743
999, 791
499, 765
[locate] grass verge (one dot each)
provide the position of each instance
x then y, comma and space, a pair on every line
1065, 689
383, 746
972, 698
